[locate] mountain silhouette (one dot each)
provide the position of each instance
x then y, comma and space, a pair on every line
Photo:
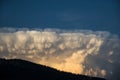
16, 69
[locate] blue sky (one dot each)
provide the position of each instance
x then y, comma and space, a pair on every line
100, 15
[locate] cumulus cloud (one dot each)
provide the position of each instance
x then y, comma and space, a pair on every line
94, 53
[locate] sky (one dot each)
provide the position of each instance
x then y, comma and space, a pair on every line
61, 33
102, 15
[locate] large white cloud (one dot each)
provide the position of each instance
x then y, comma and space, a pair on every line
94, 53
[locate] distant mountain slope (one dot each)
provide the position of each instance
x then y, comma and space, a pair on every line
16, 69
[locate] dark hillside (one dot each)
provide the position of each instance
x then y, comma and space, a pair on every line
16, 69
